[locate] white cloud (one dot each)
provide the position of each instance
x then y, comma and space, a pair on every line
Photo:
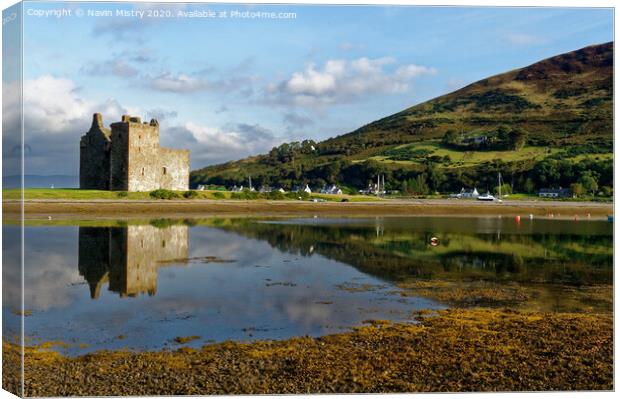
343, 80
224, 83
116, 67
161, 114
210, 145
55, 117
295, 120
53, 105
180, 83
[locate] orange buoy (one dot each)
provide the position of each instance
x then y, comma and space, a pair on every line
518, 218
434, 241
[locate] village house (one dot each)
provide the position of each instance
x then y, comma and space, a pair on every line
475, 140
555, 193
333, 189
305, 189
466, 193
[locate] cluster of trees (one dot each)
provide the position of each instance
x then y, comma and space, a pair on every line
590, 174
587, 177
505, 138
288, 151
300, 163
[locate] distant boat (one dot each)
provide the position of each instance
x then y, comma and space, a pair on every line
486, 197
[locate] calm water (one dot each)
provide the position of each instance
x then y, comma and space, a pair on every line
141, 285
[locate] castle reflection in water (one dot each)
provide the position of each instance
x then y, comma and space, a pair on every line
128, 258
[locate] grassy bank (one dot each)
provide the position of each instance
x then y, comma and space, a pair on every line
88, 209
458, 350
84, 195
215, 195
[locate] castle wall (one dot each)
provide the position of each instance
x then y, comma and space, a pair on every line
119, 160
95, 157
176, 162
143, 172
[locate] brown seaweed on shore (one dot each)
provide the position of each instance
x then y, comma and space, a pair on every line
457, 350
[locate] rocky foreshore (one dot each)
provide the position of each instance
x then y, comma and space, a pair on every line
456, 350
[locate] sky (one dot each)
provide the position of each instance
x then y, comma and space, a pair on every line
230, 85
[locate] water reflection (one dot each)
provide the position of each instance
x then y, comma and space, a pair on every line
129, 257
550, 251
246, 279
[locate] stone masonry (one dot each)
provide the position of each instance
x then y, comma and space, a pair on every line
128, 157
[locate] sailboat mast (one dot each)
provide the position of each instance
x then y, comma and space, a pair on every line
499, 183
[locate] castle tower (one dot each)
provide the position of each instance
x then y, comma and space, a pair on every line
138, 163
95, 156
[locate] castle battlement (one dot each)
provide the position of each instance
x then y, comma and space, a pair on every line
128, 157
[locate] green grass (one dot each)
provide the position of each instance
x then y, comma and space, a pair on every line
77, 194
469, 158
68, 193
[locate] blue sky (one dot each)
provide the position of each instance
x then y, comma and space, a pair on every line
229, 87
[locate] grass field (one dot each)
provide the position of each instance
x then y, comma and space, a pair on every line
81, 195
468, 158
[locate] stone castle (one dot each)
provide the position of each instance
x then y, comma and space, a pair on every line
128, 157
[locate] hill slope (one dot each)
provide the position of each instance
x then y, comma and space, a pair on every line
555, 113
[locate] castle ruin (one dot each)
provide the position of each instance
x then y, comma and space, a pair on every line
128, 157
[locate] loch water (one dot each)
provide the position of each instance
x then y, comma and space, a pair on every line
142, 285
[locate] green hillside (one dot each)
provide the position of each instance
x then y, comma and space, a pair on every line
546, 125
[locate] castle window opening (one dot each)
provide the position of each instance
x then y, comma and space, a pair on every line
164, 170
142, 171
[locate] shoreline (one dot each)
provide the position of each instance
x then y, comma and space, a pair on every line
456, 350
71, 209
